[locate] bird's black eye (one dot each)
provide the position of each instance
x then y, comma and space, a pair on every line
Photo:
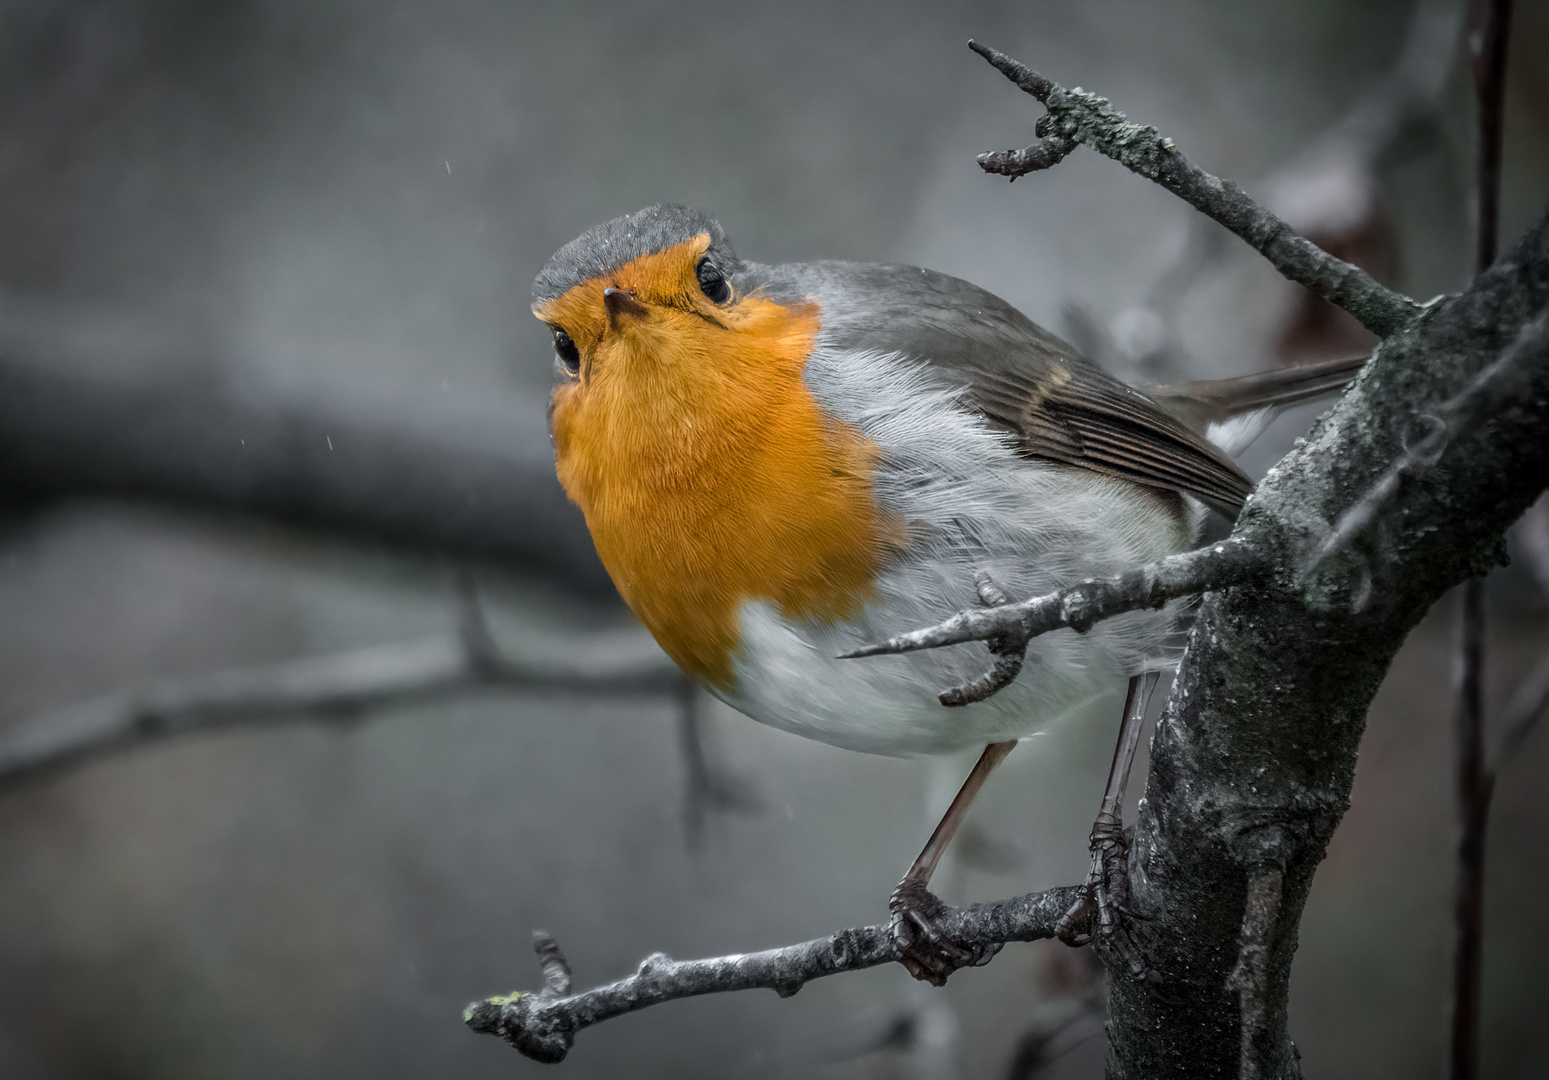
566, 350
711, 281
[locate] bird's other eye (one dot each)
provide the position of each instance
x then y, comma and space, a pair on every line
566, 350
712, 283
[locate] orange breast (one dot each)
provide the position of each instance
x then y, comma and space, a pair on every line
708, 474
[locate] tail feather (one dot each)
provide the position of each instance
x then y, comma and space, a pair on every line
1200, 404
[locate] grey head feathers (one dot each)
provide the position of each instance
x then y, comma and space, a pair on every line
1019, 377
606, 247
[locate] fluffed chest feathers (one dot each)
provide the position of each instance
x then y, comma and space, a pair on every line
704, 495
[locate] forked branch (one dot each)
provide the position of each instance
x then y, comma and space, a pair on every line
1009, 627
543, 1025
1079, 117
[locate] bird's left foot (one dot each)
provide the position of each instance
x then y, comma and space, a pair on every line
1096, 913
924, 949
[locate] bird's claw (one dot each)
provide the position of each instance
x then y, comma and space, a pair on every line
924, 949
1096, 911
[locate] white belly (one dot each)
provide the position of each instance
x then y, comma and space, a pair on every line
967, 505
788, 674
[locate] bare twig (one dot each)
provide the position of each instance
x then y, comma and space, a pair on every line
708, 788
341, 684
1260, 917
1077, 116
543, 1025
1010, 627
1473, 786
1488, 37
1527, 708
1533, 542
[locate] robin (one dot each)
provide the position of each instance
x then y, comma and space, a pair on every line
781, 464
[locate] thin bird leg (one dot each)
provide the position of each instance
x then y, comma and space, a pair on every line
924, 866
923, 951
1107, 884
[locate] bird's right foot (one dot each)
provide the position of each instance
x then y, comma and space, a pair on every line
924, 949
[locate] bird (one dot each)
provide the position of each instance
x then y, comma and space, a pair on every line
780, 464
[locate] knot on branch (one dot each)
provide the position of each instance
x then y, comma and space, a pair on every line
556, 969
1077, 609
1264, 836
847, 945
652, 965
518, 1018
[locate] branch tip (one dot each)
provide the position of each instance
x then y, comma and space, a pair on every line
552, 962
543, 1025
1008, 628
1077, 116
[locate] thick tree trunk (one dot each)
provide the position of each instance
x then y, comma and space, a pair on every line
1254, 756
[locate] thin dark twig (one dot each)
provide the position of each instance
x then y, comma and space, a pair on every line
473, 629
1077, 116
1488, 39
1473, 787
1527, 708
543, 1025
1250, 978
1009, 627
708, 788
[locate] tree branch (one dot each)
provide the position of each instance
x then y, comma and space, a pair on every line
1430, 433
443, 481
1234, 561
1528, 706
1077, 116
339, 685
1009, 627
1260, 734
1473, 783
543, 1025
1263, 1049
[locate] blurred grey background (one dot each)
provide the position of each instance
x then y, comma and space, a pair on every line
344, 202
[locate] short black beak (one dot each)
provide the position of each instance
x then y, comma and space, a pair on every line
620, 302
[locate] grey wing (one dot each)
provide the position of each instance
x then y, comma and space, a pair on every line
1059, 406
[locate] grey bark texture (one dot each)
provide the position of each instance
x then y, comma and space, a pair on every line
1077, 117
1255, 753
543, 1025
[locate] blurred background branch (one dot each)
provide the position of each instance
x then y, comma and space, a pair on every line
347, 686
428, 481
